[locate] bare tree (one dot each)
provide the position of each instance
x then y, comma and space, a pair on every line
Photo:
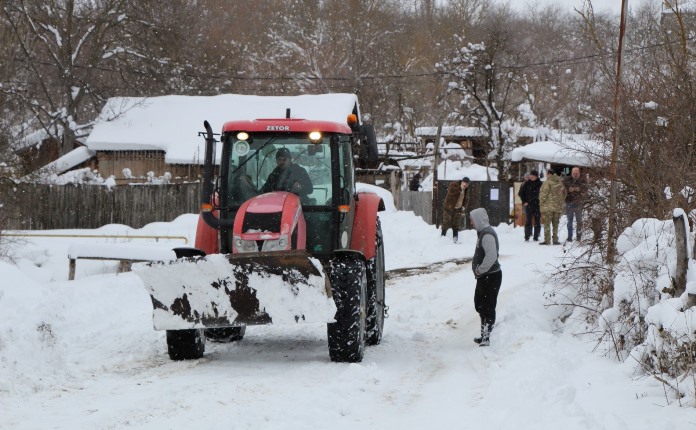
62, 48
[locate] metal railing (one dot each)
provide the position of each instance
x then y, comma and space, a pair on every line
98, 236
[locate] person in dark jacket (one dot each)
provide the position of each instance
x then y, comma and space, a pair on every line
455, 202
529, 194
288, 176
415, 185
576, 187
487, 271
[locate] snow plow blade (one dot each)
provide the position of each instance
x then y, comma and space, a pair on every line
237, 290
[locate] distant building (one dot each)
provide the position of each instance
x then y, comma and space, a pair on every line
38, 149
461, 142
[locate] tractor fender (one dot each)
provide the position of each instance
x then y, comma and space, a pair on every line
207, 237
365, 223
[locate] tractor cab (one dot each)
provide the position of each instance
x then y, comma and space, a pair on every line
313, 160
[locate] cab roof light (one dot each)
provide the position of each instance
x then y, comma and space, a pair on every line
242, 135
352, 120
315, 137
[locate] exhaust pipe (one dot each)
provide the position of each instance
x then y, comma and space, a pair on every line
208, 173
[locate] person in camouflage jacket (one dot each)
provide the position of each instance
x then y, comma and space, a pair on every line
551, 198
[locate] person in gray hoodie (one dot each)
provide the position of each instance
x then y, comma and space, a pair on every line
487, 271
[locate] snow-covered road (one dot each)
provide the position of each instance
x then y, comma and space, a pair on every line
83, 355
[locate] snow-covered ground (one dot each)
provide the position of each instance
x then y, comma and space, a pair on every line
82, 354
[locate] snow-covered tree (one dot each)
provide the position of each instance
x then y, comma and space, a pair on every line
479, 76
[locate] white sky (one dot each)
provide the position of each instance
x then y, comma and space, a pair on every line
608, 6
83, 353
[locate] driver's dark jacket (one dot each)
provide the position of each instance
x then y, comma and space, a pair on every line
282, 180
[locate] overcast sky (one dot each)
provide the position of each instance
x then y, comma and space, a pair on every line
612, 6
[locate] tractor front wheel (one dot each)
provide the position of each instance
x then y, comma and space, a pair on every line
185, 344
349, 285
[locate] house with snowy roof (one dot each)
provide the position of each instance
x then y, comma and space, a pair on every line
40, 150
563, 151
136, 137
460, 142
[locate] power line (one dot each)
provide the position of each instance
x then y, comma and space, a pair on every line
359, 79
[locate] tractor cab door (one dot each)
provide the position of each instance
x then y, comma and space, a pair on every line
345, 190
333, 178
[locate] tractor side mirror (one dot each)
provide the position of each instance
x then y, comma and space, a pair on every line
368, 145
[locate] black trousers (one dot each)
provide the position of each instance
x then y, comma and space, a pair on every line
486, 299
533, 213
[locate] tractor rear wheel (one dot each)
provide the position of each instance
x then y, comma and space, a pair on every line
349, 285
225, 334
375, 292
185, 344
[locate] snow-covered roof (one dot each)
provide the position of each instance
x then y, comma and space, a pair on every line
68, 161
570, 152
451, 130
172, 123
32, 139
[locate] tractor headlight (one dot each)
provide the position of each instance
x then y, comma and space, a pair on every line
245, 245
279, 244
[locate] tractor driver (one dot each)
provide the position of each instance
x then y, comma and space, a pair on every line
288, 176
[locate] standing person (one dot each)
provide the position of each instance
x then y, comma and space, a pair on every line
575, 187
455, 202
529, 194
415, 185
487, 272
551, 198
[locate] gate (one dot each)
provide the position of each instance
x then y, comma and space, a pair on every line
493, 196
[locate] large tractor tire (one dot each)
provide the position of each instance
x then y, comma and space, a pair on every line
375, 292
185, 344
225, 334
349, 285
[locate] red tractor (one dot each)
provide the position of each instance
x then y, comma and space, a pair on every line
283, 237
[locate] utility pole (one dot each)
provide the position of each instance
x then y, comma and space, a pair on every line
611, 227
436, 186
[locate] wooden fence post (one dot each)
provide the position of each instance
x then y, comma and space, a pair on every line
682, 255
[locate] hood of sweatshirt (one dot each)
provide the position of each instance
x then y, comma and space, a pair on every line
480, 218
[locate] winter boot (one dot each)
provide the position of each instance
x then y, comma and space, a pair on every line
485, 339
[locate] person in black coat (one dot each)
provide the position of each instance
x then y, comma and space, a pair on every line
415, 185
288, 176
529, 194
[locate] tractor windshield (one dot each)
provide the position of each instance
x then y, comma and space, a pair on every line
273, 162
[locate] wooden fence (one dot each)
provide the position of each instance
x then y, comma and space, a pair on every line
49, 207
420, 202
